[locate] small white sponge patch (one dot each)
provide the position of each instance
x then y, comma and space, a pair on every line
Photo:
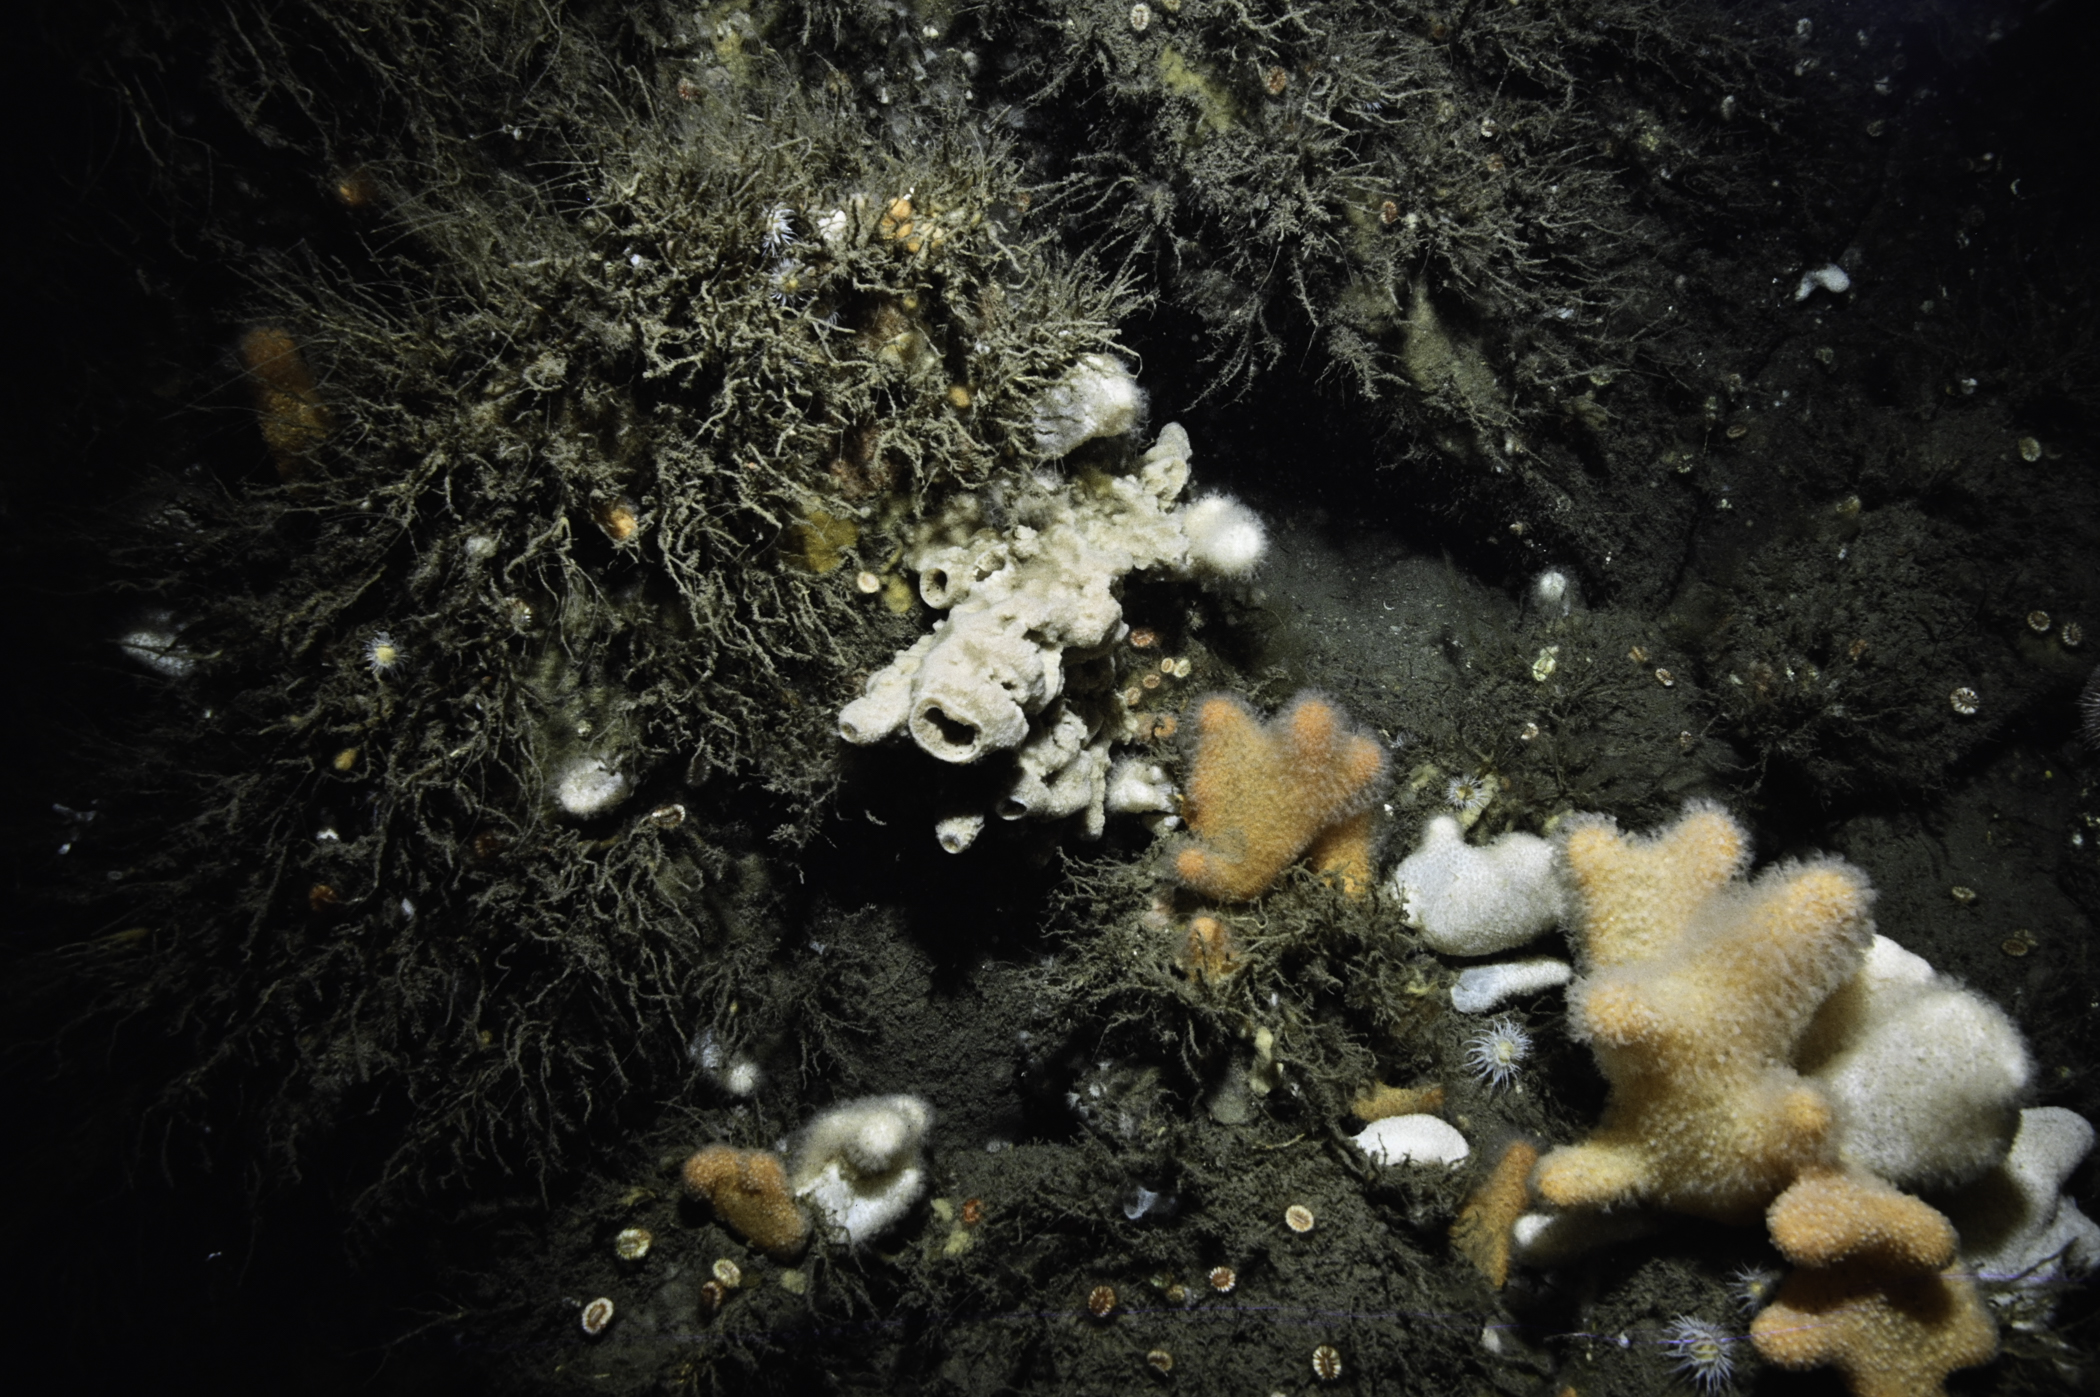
1413, 1139
587, 786
1484, 987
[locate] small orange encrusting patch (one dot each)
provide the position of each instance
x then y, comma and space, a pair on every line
1378, 1101
1890, 1335
1260, 796
1481, 1234
294, 419
1209, 954
749, 1192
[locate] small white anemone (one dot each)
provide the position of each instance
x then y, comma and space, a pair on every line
1752, 1287
1701, 1350
777, 229
384, 654
1496, 1055
1554, 593
1469, 795
1225, 537
787, 278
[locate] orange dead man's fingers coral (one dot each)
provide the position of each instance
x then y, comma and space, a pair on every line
1482, 1232
1890, 1337
1260, 796
1698, 986
749, 1191
294, 419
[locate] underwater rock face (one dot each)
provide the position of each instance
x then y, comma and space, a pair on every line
516, 459
537, 525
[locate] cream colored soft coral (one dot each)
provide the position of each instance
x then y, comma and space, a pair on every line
1021, 666
1698, 992
1696, 989
1023, 605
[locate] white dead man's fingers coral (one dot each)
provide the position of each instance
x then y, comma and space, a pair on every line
858, 1166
